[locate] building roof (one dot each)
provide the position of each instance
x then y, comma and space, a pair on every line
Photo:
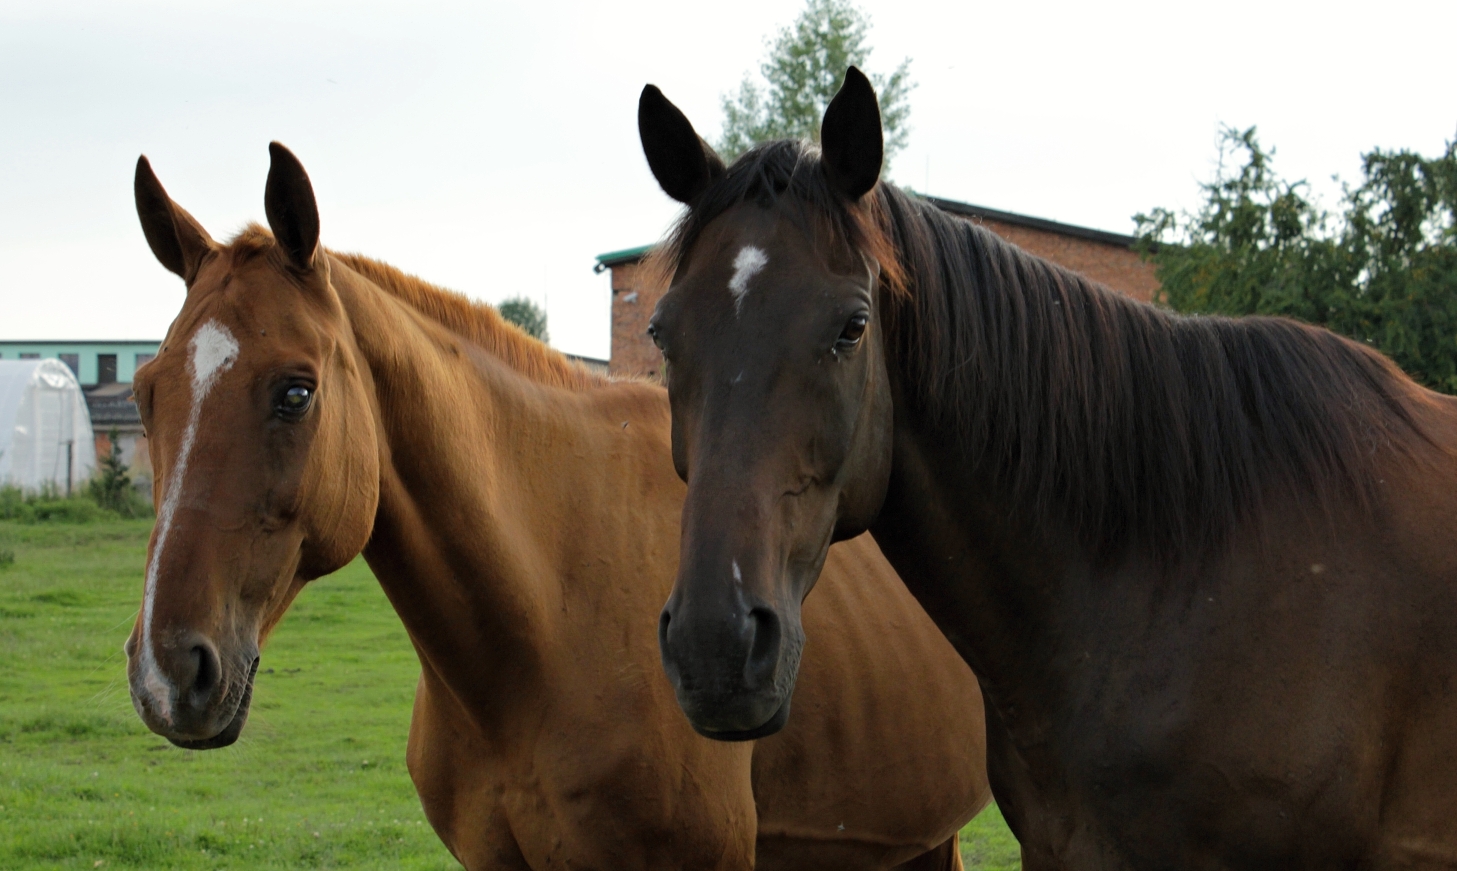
965, 210
619, 258
593, 363
112, 405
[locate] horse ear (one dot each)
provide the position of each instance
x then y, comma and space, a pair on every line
175, 237
682, 162
293, 213
851, 137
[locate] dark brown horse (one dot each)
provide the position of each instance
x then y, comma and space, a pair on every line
522, 516
1204, 568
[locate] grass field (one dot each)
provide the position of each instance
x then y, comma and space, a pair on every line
318, 779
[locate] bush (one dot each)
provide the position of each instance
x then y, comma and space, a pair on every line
111, 487
11, 500
108, 495
49, 505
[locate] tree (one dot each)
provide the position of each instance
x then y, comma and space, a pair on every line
1381, 270
111, 486
525, 314
804, 69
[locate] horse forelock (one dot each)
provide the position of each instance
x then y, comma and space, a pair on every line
787, 174
250, 242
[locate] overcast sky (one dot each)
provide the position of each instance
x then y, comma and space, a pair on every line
492, 147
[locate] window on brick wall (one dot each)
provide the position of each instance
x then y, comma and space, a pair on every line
105, 368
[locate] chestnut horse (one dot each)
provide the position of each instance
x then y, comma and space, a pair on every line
521, 515
1204, 568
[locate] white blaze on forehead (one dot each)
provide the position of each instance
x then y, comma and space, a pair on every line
213, 352
746, 265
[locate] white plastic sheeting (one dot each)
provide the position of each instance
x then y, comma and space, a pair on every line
45, 431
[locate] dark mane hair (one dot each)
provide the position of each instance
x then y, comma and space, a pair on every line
1126, 423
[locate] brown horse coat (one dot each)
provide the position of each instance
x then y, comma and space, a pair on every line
522, 517
1203, 567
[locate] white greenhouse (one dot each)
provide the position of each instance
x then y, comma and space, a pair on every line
45, 431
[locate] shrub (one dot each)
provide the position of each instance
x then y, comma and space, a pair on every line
111, 487
48, 504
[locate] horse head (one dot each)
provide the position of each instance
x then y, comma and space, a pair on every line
267, 468
780, 400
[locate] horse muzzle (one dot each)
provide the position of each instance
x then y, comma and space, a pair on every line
189, 696
734, 672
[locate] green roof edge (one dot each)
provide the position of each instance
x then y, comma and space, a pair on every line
626, 255
955, 207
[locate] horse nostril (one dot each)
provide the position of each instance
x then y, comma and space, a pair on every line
764, 651
663, 620
208, 671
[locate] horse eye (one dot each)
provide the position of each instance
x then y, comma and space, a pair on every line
653, 334
294, 402
850, 336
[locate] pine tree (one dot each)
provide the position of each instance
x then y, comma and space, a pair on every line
111, 486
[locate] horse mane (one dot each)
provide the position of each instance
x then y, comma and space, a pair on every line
1124, 423
475, 321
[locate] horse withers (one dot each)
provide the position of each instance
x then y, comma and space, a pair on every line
521, 515
1199, 564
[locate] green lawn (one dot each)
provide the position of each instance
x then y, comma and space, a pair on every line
318, 779
987, 844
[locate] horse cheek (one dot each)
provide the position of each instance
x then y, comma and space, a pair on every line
865, 474
341, 489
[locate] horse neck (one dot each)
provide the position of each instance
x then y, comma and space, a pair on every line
988, 349
468, 540
1070, 436
984, 429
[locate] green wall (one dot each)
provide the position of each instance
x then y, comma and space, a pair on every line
126, 355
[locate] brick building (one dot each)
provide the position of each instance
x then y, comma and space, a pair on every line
634, 296
1105, 257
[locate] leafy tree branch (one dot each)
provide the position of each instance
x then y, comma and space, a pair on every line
1382, 269
802, 72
